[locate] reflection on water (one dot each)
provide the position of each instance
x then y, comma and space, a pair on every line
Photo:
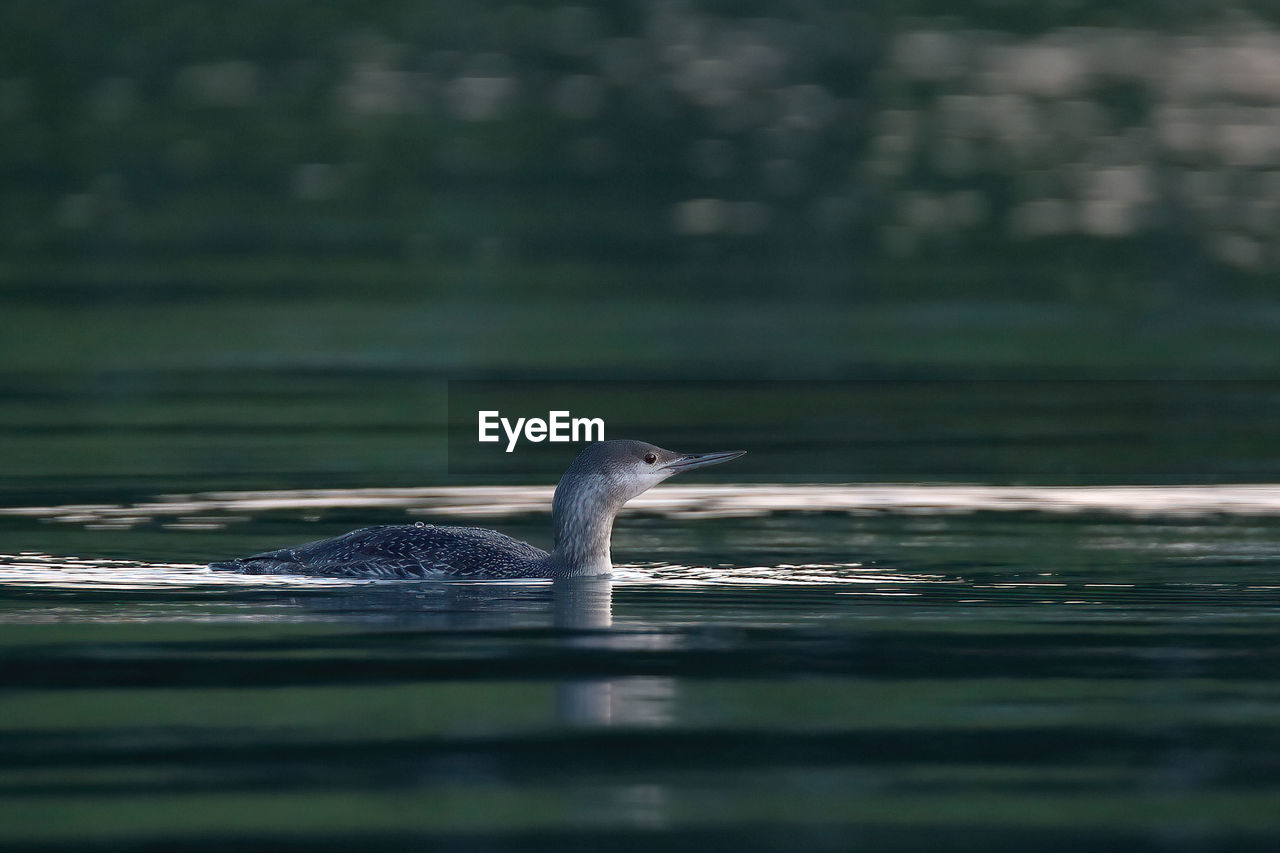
214, 510
45, 570
584, 606
1010, 678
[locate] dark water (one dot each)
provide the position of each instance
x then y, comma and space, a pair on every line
260, 247
832, 680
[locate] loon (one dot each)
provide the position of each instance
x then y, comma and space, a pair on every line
603, 477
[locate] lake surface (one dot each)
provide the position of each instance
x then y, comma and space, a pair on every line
771, 667
258, 266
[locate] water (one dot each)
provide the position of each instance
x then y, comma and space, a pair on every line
896, 668
249, 260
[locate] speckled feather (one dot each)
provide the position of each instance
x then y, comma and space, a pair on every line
402, 551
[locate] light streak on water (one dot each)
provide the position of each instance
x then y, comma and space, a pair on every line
60, 572
208, 510
213, 511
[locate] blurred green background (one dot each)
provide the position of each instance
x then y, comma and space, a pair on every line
246, 244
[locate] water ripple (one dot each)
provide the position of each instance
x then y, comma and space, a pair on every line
785, 574
85, 573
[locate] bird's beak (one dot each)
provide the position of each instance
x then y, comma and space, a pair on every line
689, 461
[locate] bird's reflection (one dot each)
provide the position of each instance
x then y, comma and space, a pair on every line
584, 607
580, 610
581, 604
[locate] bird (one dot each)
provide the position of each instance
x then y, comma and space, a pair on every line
589, 495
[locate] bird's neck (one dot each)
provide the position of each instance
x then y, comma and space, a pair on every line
582, 514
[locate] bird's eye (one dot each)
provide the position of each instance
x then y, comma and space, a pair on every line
650, 458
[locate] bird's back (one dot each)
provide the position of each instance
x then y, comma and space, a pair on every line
402, 551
